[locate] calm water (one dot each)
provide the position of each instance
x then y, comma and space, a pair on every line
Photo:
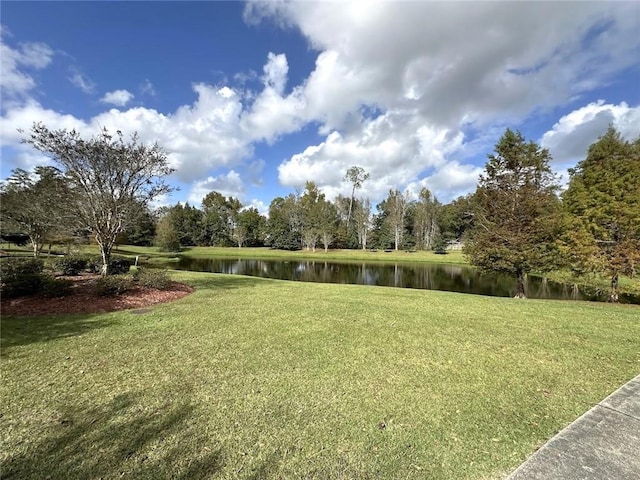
453, 278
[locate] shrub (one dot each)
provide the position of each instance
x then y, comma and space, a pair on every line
21, 284
21, 265
55, 287
20, 276
70, 264
117, 264
114, 285
158, 279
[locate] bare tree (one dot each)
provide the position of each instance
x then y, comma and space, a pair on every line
110, 175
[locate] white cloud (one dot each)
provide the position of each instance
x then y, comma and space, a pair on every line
570, 138
147, 88
229, 185
431, 70
82, 81
393, 148
263, 208
395, 103
452, 62
119, 98
449, 182
14, 81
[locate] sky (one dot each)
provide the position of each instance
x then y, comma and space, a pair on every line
254, 99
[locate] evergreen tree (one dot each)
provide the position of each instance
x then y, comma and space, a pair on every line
603, 196
516, 222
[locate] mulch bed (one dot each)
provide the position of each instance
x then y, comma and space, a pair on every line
84, 299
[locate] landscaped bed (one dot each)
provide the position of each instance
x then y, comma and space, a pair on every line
254, 378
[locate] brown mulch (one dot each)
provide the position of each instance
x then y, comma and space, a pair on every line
83, 299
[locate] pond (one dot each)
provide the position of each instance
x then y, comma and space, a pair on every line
453, 278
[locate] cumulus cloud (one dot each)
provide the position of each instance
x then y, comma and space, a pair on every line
229, 185
119, 98
263, 208
393, 148
456, 62
396, 103
431, 71
15, 81
570, 138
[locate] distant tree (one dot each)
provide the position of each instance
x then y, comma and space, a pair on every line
328, 223
396, 207
426, 219
252, 225
454, 218
362, 219
109, 176
141, 230
356, 176
220, 215
167, 238
310, 211
603, 197
284, 227
188, 222
37, 204
516, 222
346, 233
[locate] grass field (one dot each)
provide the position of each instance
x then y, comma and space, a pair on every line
253, 378
454, 257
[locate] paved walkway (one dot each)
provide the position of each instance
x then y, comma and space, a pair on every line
604, 443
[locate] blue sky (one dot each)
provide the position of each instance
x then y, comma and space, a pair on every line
255, 99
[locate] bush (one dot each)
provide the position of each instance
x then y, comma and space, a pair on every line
70, 264
117, 264
55, 287
20, 276
21, 265
158, 279
114, 285
21, 284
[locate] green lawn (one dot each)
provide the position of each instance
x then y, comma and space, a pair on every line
252, 378
454, 257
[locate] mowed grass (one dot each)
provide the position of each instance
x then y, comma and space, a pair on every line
154, 254
253, 378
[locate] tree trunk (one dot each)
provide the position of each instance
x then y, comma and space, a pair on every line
106, 255
353, 192
520, 286
613, 295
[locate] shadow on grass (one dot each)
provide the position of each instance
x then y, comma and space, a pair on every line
121, 439
18, 331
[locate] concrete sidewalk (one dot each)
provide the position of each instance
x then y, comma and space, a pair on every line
604, 443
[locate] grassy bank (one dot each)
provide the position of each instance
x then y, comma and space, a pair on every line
254, 378
337, 255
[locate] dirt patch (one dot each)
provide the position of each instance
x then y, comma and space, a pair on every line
84, 299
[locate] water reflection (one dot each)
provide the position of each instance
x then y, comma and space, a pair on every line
454, 278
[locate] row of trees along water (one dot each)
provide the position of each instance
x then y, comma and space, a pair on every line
518, 220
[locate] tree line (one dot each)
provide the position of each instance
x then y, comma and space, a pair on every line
308, 220
517, 221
